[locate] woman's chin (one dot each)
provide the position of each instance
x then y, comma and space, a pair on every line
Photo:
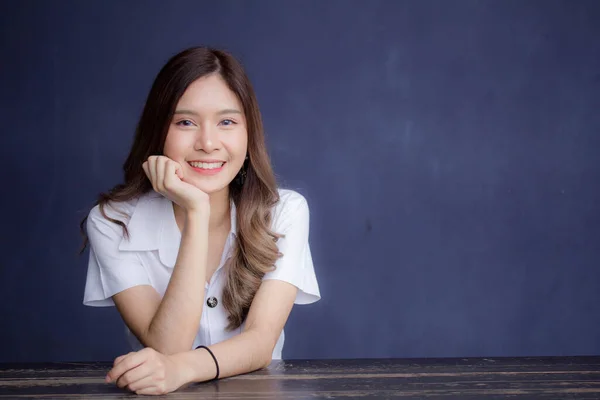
209, 187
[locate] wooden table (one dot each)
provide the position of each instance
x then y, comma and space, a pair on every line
465, 378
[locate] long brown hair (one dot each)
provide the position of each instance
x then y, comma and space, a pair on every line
255, 251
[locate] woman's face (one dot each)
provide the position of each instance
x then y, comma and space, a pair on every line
208, 134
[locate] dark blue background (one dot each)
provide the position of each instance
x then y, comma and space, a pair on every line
448, 150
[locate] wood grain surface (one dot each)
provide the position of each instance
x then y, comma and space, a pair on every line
465, 378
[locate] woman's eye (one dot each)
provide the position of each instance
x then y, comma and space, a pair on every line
227, 122
185, 122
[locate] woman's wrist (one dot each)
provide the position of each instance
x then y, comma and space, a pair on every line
195, 366
197, 216
184, 368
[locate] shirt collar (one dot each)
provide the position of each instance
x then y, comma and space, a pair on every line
152, 226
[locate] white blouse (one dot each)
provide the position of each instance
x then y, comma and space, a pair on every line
148, 258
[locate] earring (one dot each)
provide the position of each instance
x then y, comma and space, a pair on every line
241, 176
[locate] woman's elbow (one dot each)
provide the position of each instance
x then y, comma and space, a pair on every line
262, 345
265, 353
266, 360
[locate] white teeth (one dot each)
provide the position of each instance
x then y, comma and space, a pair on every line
206, 165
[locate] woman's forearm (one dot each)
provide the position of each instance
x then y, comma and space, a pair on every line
177, 319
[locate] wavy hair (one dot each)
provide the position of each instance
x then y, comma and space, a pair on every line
255, 251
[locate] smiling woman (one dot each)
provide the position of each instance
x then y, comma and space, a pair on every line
199, 250
208, 117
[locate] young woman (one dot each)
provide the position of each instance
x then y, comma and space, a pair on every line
199, 250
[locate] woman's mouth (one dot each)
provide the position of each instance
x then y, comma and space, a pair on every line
207, 168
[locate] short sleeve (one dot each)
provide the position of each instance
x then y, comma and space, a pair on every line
110, 270
296, 264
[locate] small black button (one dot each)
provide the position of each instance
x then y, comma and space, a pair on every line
212, 302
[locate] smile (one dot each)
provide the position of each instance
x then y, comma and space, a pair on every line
207, 168
203, 165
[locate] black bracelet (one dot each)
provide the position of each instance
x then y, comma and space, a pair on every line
214, 358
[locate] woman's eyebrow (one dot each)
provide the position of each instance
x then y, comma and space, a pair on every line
225, 111
229, 111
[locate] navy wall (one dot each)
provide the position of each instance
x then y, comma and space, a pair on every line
448, 150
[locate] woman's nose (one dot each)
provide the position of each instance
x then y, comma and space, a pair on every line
207, 140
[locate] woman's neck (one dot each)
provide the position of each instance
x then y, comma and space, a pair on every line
220, 210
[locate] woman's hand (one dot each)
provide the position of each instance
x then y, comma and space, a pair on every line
148, 372
167, 179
